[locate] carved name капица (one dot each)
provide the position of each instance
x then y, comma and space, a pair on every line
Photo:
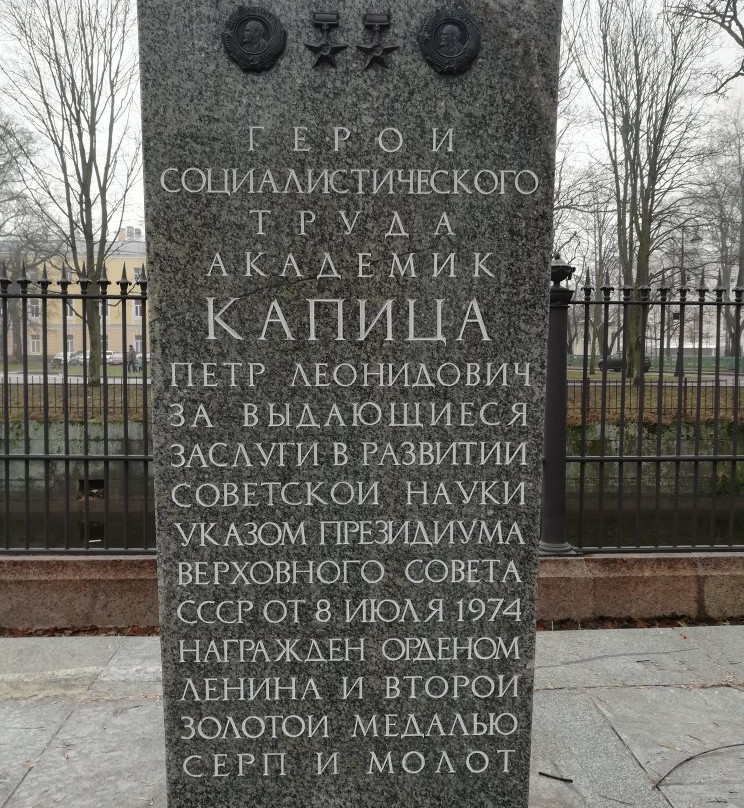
349, 231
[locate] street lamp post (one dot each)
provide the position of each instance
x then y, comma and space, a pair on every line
553, 529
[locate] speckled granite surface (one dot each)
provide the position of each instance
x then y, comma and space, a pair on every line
198, 110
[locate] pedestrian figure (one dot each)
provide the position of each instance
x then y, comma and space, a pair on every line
131, 359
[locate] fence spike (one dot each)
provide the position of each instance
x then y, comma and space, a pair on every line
123, 283
83, 281
588, 288
103, 281
44, 281
23, 280
720, 290
663, 288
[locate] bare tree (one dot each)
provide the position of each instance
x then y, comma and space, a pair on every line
25, 250
641, 70
571, 185
24, 237
721, 209
72, 77
14, 143
717, 14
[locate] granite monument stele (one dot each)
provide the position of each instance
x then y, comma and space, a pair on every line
349, 233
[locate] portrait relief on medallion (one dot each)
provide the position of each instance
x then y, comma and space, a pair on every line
254, 38
450, 40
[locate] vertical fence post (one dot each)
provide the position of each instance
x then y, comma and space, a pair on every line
553, 533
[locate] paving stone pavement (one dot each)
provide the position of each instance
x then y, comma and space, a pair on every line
649, 718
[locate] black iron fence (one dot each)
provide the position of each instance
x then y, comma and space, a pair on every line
654, 437
644, 437
76, 449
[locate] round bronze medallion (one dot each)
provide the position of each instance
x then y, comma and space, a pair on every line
450, 40
254, 38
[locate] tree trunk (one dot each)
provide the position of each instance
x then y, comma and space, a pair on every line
95, 348
636, 324
14, 318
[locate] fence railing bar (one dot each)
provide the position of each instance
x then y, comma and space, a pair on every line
680, 371
733, 478
663, 291
650, 458
716, 415
44, 284
103, 283
145, 402
606, 293
64, 283
644, 294
584, 406
23, 283
6, 402
123, 296
86, 438
698, 404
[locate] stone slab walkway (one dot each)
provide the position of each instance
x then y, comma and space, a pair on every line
650, 718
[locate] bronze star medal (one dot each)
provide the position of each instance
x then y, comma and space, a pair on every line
325, 49
375, 51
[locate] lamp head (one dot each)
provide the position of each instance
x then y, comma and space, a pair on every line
560, 270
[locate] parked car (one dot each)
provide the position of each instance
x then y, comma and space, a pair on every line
78, 358
615, 362
114, 358
83, 357
58, 359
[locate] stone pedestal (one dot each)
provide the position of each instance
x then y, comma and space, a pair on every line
349, 231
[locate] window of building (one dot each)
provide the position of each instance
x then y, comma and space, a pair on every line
137, 309
138, 343
70, 343
69, 310
34, 309
35, 346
